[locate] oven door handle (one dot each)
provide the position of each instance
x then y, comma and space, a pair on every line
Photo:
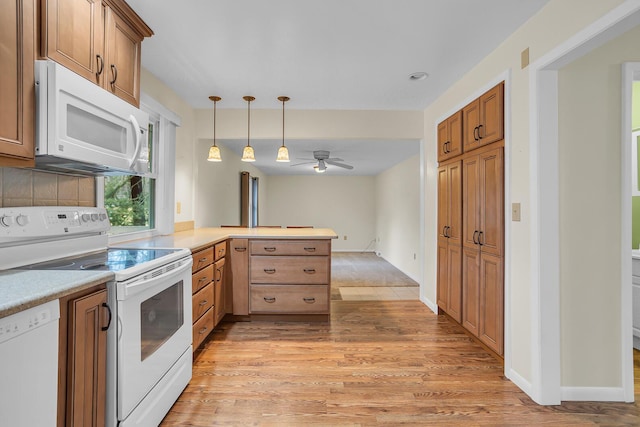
134, 286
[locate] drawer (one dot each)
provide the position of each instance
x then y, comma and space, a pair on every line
290, 247
202, 258
289, 269
200, 279
202, 328
202, 301
220, 250
310, 299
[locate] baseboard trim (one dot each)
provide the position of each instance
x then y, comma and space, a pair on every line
352, 250
589, 394
521, 382
426, 301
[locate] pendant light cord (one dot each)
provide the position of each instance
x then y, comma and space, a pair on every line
248, 122
283, 122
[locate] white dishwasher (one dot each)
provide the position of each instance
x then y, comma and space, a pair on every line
29, 366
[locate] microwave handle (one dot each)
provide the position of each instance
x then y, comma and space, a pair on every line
139, 136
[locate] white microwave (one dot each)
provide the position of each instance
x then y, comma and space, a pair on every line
83, 129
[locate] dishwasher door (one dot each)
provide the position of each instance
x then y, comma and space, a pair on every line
29, 366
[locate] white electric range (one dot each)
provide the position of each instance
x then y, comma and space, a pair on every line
149, 345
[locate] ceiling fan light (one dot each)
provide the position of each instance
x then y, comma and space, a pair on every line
214, 154
283, 154
248, 155
318, 169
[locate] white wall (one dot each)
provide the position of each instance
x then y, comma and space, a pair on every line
590, 210
185, 142
344, 203
555, 23
217, 187
398, 216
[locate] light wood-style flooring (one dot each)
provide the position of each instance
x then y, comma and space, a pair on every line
374, 363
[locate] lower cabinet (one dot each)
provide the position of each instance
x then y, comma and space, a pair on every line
86, 317
450, 278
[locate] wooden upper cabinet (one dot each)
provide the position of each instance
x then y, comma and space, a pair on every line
122, 58
492, 202
17, 92
73, 35
483, 119
450, 137
99, 40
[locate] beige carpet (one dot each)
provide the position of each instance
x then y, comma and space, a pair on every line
365, 269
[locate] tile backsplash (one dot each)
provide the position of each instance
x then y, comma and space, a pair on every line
25, 187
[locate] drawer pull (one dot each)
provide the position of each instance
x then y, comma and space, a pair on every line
202, 259
270, 270
204, 302
269, 249
309, 300
240, 249
221, 251
203, 330
310, 270
270, 300
219, 272
310, 249
202, 279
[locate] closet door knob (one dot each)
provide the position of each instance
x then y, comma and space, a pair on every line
475, 233
480, 127
481, 238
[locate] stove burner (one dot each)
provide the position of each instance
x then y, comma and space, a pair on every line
94, 265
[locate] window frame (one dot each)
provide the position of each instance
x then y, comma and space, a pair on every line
163, 172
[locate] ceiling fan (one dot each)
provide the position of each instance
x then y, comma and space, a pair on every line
322, 158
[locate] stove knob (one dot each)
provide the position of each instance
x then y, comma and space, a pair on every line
94, 217
22, 220
103, 216
6, 221
85, 217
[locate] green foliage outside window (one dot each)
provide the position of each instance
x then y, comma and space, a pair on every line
129, 200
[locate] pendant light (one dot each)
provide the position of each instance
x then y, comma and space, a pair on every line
248, 154
214, 151
283, 152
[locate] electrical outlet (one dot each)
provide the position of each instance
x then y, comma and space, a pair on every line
414, 256
178, 207
345, 237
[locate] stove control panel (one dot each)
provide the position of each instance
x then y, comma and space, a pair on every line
39, 222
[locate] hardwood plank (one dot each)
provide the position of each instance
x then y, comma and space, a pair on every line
373, 363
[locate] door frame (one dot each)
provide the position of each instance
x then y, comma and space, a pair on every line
546, 385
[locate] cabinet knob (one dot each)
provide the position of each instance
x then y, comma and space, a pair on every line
269, 249
114, 71
309, 270
309, 300
310, 249
270, 270
100, 60
270, 300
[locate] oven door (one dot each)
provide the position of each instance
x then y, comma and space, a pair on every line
154, 329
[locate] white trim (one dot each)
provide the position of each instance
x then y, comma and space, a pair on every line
153, 105
432, 306
592, 394
422, 200
520, 381
629, 69
544, 207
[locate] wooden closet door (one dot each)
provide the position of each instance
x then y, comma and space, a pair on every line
470, 122
491, 326
443, 200
491, 221
471, 289
454, 123
443, 137
443, 274
454, 178
471, 201
454, 304
74, 35
492, 115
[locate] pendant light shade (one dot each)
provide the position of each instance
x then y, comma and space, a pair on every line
247, 154
214, 151
283, 152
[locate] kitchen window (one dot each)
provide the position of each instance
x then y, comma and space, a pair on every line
142, 206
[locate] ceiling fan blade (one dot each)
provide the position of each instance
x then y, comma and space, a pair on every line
340, 165
303, 163
335, 159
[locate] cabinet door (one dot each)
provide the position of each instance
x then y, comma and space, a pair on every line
455, 134
443, 274
470, 123
491, 329
87, 356
491, 128
454, 172
471, 289
17, 93
454, 257
471, 201
443, 200
219, 297
239, 277
122, 66
73, 35
491, 206
443, 137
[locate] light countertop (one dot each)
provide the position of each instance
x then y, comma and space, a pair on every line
22, 289
200, 237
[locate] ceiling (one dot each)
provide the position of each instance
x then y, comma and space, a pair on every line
328, 54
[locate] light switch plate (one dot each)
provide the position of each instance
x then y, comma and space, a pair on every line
515, 212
